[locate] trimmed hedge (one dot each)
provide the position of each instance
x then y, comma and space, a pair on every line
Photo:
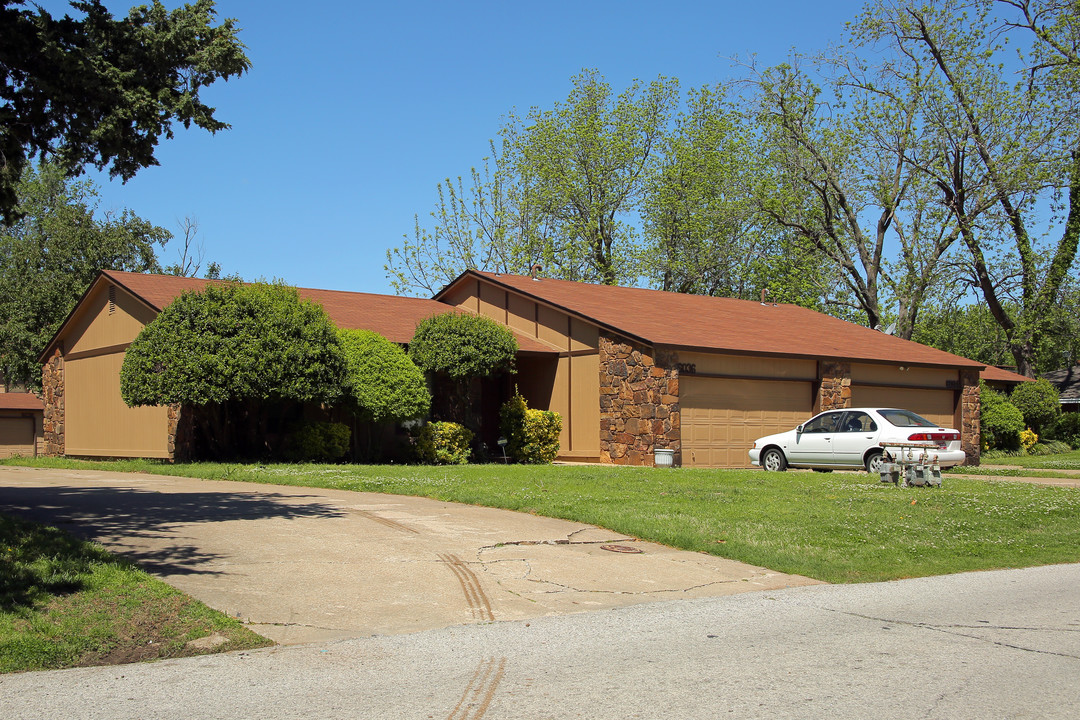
1039, 402
1000, 420
444, 443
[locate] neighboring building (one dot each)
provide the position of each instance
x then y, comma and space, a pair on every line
1067, 382
629, 370
1001, 379
21, 425
643, 369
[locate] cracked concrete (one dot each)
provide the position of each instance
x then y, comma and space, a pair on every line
303, 565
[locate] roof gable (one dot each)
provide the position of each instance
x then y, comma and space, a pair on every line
720, 324
392, 316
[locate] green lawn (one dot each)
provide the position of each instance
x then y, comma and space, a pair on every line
68, 603
1061, 461
837, 527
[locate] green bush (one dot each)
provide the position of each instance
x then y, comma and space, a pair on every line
235, 342
1039, 402
317, 442
532, 435
463, 346
444, 443
381, 383
1000, 420
1067, 428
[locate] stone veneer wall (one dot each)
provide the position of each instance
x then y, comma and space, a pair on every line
835, 389
52, 387
639, 403
970, 407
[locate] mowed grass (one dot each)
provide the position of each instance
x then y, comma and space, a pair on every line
836, 527
68, 603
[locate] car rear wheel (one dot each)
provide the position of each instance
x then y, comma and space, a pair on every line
873, 462
773, 460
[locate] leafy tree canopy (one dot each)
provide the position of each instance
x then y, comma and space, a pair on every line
380, 380
235, 342
103, 91
49, 257
463, 346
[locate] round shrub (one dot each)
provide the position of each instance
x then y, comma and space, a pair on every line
1039, 402
381, 383
318, 442
1000, 420
461, 346
444, 443
1067, 428
532, 436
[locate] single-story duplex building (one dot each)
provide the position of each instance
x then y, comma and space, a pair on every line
630, 370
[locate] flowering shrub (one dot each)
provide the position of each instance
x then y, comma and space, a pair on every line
532, 435
444, 443
1028, 438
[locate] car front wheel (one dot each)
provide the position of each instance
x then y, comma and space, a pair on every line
873, 463
773, 460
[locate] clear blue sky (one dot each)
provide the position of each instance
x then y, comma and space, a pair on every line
354, 111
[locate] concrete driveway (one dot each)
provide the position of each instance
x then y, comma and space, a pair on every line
303, 565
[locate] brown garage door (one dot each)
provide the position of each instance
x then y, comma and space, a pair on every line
934, 405
721, 418
16, 437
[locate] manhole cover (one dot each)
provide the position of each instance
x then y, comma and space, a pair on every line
620, 548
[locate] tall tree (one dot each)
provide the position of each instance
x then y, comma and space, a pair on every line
103, 91
705, 233
1012, 154
49, 257
562, 188
838, 176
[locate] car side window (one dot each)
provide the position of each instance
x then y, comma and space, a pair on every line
822, 423
858, 422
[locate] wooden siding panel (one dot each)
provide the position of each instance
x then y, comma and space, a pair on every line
722, 418
739, 365
560, 402
583, 335
893, 375
584, 405
99, 325
465, 297
493, 303
98, 422
552, 327
521, 314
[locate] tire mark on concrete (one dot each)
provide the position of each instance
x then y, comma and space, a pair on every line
383, 521
479, 692
470, 585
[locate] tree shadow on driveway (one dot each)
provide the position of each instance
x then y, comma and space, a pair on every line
112, 515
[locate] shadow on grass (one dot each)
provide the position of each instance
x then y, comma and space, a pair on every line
105, 514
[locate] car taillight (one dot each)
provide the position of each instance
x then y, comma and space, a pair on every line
934, 437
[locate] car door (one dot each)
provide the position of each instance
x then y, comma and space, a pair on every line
813, 446
856, 432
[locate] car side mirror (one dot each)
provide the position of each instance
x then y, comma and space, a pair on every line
798, 430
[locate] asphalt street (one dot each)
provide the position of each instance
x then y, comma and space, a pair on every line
1001, 644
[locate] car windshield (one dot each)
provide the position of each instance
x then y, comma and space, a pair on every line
905, 418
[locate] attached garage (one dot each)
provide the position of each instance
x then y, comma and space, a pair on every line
21, 421
935, 405
722, 417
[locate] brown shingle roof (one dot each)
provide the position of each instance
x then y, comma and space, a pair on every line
722, 324
392, 316
20, 401
995, 374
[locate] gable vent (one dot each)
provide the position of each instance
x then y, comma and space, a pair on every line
112, 299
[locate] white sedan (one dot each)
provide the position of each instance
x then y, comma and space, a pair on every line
852, 438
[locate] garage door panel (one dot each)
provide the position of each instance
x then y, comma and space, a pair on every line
935, 405
721, 418
16, 437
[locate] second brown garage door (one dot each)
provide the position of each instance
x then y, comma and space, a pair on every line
934, 405
721, 418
